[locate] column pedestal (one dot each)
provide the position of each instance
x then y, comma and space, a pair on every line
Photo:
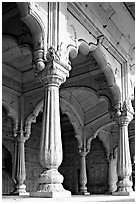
50, 185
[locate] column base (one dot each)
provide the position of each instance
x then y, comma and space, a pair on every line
83, 193
55, 194
24, 194
109, 193
20, 190
123, 193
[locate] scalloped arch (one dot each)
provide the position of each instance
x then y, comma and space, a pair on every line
84, 48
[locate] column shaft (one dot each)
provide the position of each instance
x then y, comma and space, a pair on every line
51, 144
124, 160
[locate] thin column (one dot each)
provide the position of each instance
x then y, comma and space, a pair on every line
124, 161
83, 174
20, 173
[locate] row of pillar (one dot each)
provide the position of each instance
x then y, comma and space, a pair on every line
50, 181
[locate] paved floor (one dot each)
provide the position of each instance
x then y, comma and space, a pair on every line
74, 198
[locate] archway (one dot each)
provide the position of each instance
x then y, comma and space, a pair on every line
97, 168
8, 152
71, 159
7, 182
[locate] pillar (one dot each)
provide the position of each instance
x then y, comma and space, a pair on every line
112, 174
124, 185
20, 172
83, 174
50, 180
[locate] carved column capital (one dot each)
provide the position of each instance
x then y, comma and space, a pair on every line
126, 113
50, 70
53, 74
21, 136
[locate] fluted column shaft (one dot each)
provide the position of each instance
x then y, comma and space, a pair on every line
51, 145
20, 173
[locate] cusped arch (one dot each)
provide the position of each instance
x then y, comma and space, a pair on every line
84, 48
13, 115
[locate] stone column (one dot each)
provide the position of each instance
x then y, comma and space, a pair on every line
83, 174
50, 180
124, 160
20, 172
112, 174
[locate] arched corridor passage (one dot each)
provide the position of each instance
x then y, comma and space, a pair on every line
8, 153
97, 168
71, 159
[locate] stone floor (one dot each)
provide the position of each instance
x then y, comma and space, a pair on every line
74, 198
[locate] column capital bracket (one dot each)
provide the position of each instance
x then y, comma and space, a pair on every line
54, 73
83, 151
126, 112
21, 136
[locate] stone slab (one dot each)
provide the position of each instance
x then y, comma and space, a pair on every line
54, 194
123, 193
22, 194
83, 193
